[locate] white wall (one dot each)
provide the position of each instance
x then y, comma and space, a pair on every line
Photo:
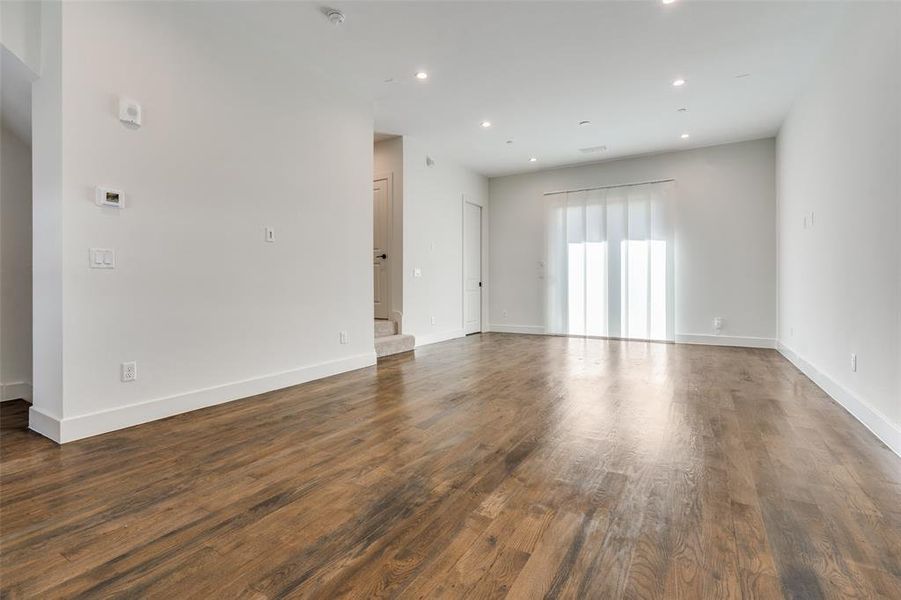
725, 238
840, 279
232, 141
433, 241
47, 229
20, 30
15, 267
388, 161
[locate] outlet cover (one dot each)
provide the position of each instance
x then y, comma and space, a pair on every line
129, 371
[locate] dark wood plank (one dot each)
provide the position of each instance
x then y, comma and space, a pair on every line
487, 467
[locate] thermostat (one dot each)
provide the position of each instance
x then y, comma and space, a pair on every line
109, 197
129, 111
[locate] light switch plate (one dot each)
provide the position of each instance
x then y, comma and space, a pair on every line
102, 258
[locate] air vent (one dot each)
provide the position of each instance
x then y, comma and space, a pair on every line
593, 149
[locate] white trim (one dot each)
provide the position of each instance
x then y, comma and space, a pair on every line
870, 417
15, 391
82, 426
45, 424
525, 329
681, 338
434, 338
725, 340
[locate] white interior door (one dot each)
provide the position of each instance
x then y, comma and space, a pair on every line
381, 236
472, 268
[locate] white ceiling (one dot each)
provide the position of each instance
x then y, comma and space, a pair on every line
535, 69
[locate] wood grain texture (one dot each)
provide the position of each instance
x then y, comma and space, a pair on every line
494, 466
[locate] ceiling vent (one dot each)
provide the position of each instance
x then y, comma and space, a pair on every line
593, 149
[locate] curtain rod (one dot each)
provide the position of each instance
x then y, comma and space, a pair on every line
609, 187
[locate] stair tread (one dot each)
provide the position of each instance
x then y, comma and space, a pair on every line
384, 328
394, 344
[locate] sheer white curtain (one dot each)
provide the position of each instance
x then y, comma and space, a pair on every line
610, 262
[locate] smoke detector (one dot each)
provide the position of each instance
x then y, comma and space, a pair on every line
335, 16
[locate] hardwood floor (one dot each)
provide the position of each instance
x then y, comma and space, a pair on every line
486, 467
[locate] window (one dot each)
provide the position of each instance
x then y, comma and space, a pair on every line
610, 263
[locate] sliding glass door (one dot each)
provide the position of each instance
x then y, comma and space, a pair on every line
610, 262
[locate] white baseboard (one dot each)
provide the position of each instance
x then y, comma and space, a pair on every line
45, 424
425, 340
77, 427
681, 338
872, 419
526, 329
725, 340
15, 391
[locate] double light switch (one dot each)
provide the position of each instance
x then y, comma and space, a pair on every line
103, 258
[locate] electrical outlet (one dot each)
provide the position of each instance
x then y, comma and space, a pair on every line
506, 313
434, 320
129, 371
717, 324
853, 363
342, 337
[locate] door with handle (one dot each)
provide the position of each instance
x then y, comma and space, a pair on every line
472, 268
381, 222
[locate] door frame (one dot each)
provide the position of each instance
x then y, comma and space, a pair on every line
389, 299
463, 264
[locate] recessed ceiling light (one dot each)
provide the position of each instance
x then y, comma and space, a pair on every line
533, 159
685, 136
683, 109
422, 75
584, 123
486, 124
668, 1
678, 83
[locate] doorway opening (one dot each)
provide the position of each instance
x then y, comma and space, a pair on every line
15, 240
387, 246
